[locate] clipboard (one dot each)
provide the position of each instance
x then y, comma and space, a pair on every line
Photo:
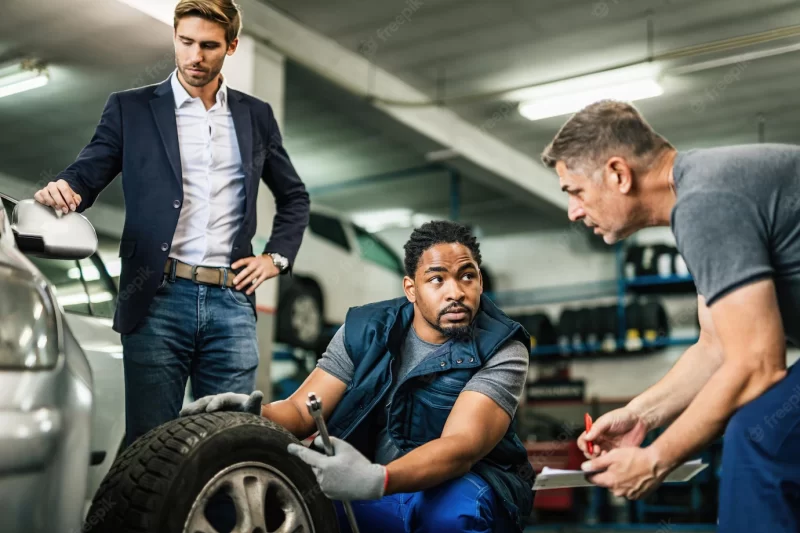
554, 478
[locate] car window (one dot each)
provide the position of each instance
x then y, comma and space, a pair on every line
9, 207
102, 292
374, 250
329, 228
65, 277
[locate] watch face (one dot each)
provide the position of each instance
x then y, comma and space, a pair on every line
279, 261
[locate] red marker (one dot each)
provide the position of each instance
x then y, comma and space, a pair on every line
588, 420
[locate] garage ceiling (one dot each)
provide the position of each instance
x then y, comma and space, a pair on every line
452, 49
336, 140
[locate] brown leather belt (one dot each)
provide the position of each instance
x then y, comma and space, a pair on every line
219, 276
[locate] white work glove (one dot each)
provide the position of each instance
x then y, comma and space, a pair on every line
347, 475
228, 401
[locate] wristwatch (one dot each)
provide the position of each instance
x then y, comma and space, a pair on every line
279, 261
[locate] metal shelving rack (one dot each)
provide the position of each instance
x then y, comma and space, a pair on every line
624, 286
620, 288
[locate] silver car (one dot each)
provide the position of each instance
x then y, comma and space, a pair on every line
61, 380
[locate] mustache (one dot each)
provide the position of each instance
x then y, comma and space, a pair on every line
456, 308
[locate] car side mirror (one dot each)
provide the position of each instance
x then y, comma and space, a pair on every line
44, 232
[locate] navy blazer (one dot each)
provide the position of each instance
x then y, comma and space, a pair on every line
138, 136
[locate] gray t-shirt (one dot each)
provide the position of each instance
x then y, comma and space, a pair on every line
737, 220
502, 378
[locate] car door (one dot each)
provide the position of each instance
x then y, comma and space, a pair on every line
330, 257
103, 348
87, 294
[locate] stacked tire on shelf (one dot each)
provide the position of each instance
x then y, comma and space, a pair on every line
595, 330
654, 262
540, 328
648, 270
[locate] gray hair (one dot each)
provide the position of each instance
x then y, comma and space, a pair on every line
601, 130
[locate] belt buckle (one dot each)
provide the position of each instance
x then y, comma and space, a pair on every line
194, 273
224, 276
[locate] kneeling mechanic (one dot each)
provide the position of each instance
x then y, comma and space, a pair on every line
419, 394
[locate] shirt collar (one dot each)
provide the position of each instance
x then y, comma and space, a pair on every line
181, 96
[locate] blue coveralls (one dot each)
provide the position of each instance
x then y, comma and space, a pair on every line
760, 483
466, 504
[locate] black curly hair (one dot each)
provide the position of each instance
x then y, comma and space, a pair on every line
438, 232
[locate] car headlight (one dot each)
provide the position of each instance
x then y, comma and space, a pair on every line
28, 327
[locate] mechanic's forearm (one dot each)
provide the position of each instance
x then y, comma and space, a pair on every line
286, 414
666, 400
429, 465
731, 387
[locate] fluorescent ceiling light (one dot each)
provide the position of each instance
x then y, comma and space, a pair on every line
22, 76
568, 96
375, 221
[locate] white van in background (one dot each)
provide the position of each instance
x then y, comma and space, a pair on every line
339, 265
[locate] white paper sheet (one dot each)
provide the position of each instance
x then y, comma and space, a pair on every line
554, 478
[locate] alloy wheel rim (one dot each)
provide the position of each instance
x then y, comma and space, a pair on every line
265, 500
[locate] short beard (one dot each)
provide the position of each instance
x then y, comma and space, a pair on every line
456, 333
201, 83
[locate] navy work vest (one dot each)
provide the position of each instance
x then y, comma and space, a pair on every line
417, 412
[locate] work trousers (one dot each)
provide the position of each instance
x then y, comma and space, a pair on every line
760, 480
466, 504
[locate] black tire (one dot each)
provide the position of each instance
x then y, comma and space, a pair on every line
568, 330
153, 485
654, 324
663, 261
300, 318
541, 329
647, 261
633, 258
633, 329
585, 331
607, 320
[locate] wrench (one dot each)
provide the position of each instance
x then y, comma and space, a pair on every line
315, 410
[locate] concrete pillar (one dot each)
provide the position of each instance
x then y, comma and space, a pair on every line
260, 71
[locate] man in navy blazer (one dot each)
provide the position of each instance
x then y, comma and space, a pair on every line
191, 152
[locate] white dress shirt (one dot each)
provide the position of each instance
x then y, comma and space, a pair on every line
213, 179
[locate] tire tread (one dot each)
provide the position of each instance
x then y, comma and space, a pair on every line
141, 474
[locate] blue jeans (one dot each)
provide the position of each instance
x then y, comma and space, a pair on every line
465, 504
760, 480
195, 331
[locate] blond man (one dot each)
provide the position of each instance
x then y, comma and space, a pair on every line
191, 151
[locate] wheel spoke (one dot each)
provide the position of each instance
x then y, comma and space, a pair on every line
248, 493
291, 524
261, 495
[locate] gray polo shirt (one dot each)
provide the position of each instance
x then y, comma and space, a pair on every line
737, 220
